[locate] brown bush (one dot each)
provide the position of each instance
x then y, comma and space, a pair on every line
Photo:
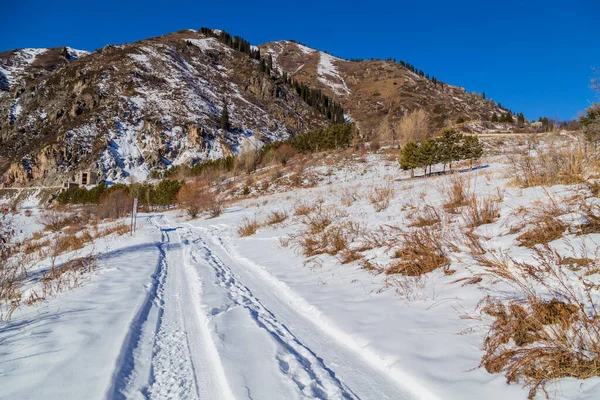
276, 217
414, 126
66, 243
381, 196
248, 227
550, 327
321, 238
480, 211
304, 208
422, 251
55, 220
551, 164
284, 153
456, 193
544, 231
426, 216
196, 197
115, 204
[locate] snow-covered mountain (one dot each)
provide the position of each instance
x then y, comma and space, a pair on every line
128, 109
375, 93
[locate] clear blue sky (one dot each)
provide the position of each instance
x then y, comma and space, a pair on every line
532, 56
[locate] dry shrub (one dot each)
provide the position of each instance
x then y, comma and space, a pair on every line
544, 231
304, 208
381, 196
284, 153
37, 235
248, 227
347, 256
414, 126
33, 246
119, 229
62, 278
349, 196
55, 220
196, 197
276, 217
248, 160
329, 239
66, 243
482, 210
422, 251
549, 327
115, 204
456, 193
590, 213
426, 216
549, 165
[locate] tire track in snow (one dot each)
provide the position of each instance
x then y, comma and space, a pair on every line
296, 361
412, 387
132, 375
168, 353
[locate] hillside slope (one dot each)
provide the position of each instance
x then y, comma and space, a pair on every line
374, 93
126, 110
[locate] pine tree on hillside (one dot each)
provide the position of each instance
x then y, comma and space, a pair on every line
409, 157
224, 122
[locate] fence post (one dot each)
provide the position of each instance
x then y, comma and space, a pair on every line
134, 215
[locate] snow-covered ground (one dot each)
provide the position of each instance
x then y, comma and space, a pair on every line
188, 309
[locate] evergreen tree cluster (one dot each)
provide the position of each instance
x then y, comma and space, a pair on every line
590, 123
333, 137
547, 124
162, 194
319, 101
235, 42
313, 97
506, 117
450, 147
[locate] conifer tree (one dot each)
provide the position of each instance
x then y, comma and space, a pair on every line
427, 154
224, 122
409, 158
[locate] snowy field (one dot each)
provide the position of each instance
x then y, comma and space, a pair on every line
189, 309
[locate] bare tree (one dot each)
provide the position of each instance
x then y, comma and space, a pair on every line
414, 126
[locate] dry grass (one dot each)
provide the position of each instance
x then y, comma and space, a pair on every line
426, 216
456, 194
55, 220
381, 196
276, 217
304, 208
550, 164
248, 227
549, 327
482, 210
422, 251
349, 196
65, 243
544, 231
61, 278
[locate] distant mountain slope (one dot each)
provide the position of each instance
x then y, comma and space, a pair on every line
124, 110
374, 93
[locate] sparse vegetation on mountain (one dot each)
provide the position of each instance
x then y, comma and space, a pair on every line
235, 42
224, 121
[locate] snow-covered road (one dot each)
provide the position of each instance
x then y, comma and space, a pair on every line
215, 326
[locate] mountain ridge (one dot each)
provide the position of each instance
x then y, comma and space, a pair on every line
128, 110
